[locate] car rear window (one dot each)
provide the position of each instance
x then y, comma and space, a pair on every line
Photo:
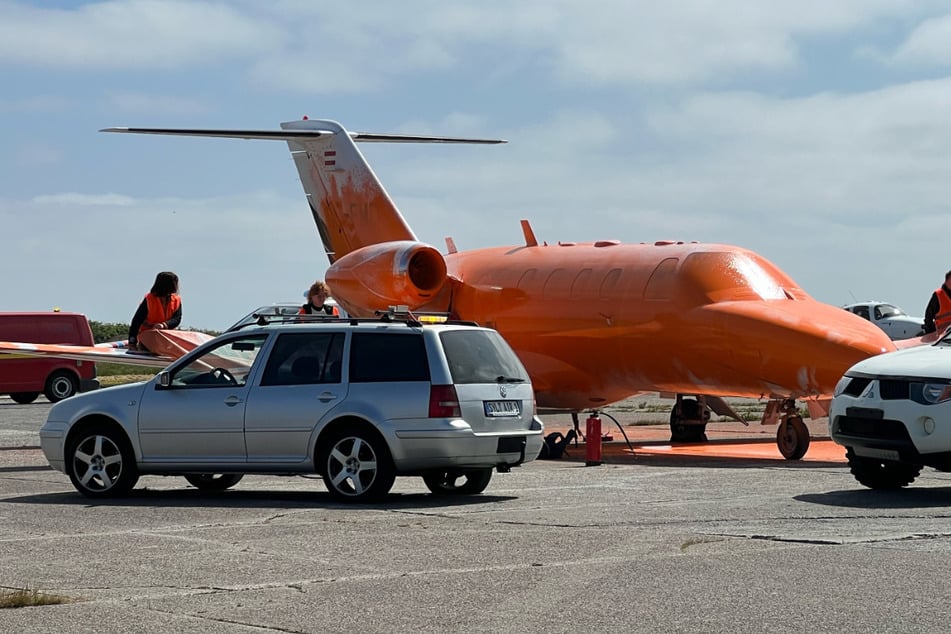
382, 356
481, 356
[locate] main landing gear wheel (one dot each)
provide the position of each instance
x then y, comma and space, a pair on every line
213, 481
680, 429
458, 481
792, 438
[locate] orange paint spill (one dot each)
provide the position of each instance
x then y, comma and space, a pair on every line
819, 450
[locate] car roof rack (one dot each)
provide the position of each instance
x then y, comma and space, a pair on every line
394, 314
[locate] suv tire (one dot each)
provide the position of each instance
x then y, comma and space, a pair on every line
356, 465
24, 398
881, 474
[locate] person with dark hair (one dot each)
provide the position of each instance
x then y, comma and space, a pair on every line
938, 313
161, 309
317, 296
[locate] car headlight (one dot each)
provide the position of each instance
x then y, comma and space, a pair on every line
933, 393
841, 385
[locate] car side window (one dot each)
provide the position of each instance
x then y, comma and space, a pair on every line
227, 364
304, 359
376, 357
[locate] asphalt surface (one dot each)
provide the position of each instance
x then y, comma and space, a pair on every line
643, 543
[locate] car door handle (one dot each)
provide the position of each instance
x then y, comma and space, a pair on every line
326, 397
231, 401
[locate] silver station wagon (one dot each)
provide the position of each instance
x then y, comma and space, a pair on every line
358, 402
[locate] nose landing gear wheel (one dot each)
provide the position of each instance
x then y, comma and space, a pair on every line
792, 438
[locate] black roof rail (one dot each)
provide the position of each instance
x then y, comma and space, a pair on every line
387, 316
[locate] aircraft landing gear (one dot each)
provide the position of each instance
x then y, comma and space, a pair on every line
792, 437
688, 420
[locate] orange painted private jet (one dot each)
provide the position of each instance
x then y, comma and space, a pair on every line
594, 323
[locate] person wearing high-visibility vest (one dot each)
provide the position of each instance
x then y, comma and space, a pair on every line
317, 296
161, 309
938, 313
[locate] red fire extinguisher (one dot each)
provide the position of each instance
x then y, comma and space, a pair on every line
592, 440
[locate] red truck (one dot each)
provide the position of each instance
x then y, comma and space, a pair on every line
25, 378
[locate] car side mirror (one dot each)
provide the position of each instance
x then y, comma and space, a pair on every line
164, 379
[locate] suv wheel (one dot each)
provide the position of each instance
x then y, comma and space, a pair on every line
881, 474
213, 481
100, 463
357, 466
458, 481
61, 384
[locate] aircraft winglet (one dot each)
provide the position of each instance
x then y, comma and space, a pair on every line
530, 240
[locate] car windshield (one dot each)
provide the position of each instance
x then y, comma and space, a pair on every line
481, 356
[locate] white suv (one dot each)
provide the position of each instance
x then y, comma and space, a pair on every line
356, 401
892, 412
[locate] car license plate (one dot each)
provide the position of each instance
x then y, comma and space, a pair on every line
873, 452
502, 408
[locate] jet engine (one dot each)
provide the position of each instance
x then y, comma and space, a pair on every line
387, 274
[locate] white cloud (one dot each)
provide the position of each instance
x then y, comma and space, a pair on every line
929, 44
124, 34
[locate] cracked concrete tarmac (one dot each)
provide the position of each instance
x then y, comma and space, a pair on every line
643, 543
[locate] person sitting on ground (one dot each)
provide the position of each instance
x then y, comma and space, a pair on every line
161, 309
317, 296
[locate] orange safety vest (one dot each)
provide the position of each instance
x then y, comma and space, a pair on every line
943, 319
159, 312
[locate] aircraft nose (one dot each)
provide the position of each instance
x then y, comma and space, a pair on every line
799, 347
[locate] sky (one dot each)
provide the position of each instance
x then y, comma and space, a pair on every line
816, 133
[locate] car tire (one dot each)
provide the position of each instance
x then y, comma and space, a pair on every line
447, 482
100, 462
876, 473
213, 481
59, 385
24, 398
356, 465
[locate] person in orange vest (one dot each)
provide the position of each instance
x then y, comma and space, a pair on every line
938, 313
161, 309
317, 296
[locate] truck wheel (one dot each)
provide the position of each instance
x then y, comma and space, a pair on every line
881, 474
59, 385
23, 398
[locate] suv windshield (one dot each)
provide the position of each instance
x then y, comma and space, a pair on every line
481, 356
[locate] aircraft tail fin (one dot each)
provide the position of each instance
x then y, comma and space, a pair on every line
349, 204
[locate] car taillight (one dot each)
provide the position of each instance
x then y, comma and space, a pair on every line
443, 402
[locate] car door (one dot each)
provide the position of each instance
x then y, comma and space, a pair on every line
198, 417
301, 382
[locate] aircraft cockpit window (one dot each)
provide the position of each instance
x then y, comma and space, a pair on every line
887, 311
725, 276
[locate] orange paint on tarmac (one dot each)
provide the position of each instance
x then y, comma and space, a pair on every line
819, 450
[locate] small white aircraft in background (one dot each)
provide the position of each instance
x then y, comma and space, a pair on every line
896, 323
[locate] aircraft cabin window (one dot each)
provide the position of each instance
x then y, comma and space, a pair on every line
662, 281
610, 283
862, 311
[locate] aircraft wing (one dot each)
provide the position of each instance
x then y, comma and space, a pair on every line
95, 354
167, 344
